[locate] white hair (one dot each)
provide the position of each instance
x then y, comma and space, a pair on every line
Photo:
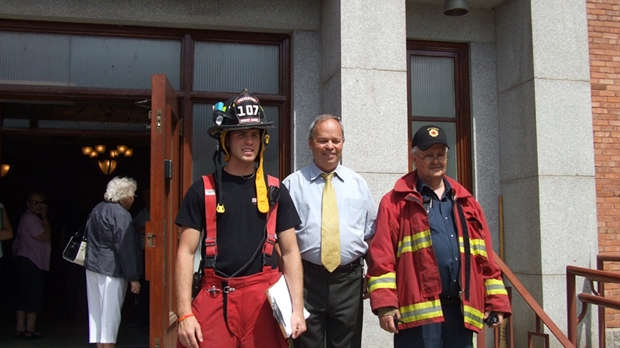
119, 188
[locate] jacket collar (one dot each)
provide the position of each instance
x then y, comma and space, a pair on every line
408, 183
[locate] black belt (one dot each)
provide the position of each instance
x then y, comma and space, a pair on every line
348, 267
449, 301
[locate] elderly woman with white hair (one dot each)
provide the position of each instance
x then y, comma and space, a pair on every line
111, 260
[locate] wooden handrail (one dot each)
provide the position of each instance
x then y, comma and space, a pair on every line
555, 330
571, 295
605, 257
600, 265
597, 299
594, 275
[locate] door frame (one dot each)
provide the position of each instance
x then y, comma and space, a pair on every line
161, 232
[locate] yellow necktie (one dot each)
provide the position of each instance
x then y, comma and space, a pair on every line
330, 227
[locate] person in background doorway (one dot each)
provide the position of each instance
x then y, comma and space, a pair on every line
333, 284
6, 230
111, 260
142, 300
433, 279
31, 249
6, 233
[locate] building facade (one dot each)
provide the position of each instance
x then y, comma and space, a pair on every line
511, 82
604, 39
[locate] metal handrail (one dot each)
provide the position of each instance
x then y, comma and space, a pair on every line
527, 297
598, 298
600, 265
571, 295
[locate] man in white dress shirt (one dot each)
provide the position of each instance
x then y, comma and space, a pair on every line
333, 292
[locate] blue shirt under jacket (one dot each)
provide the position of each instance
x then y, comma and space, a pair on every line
444, 236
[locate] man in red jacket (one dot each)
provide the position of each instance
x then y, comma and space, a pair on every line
433, 279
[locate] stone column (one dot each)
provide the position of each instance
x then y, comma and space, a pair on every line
546, 152
364, 80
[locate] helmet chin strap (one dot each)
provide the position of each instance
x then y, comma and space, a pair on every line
262, 199
223, 142
217, 174
241, 112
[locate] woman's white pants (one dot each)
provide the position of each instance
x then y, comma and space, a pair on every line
105, 300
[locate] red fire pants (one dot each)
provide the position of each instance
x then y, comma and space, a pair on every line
235, 312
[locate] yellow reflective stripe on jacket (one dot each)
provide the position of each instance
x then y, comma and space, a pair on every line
477, 246
473, 316
495, 287
414, 243
385, 281
421, 311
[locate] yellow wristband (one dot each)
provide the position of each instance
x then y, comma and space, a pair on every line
185, 317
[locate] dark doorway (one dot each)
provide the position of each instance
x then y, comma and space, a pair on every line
43, 145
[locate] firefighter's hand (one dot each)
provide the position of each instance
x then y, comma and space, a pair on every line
388, 319
298, 323
189, 333
495, 323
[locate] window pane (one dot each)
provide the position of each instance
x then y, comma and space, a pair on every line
34, 59
204, 145
123, 63
432, 86
224, 67
83, 61
450, 129
80, 115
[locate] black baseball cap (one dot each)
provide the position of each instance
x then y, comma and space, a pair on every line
428, 136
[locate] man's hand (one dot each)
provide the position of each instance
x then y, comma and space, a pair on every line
365, 292
188, 330
190, 334
500, 318
298, 323
388, 319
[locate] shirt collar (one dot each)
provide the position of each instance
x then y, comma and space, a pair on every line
420, 186
315, 172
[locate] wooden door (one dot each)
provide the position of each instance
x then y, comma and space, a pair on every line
161, 232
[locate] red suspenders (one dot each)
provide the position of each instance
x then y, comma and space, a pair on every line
211, 223
210, 226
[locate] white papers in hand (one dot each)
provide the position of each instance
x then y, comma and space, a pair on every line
280, 299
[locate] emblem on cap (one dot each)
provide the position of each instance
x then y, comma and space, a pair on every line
433, 132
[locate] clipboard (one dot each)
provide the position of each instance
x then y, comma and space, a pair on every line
280, 301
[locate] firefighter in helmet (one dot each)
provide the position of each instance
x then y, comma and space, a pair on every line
246, 216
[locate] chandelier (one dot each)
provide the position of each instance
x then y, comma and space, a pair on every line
4, 168
107, 161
